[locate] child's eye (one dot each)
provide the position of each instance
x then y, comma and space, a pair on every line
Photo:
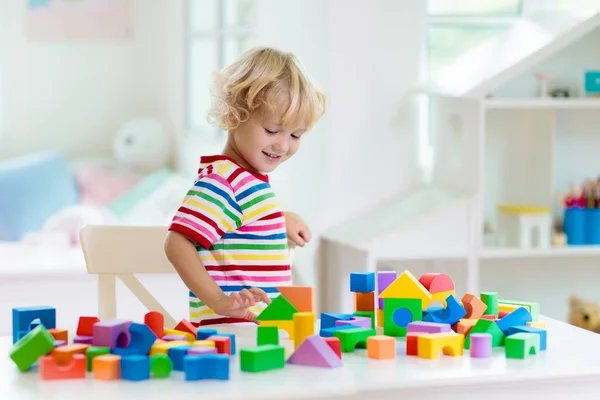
270, 132
296, 137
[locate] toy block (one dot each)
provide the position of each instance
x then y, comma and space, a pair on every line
328, 319
170, 338
186, 326
208, 366
35, 344
537, 324
518, 317
280, 309
23, 316
85, 327
449, 343
473, 305
64, 354
262, 358
231, 337
520, 345
398, 313
135, 367
304, 326
489, 317
141, 340
353, 338
362, 282
502, 314
199, 350
74, 369
366, 314
113, 333
315, 352
427, 327
202, 334
364, 301
328, 332
412, 343
160, 366
287, 326
106, 367
204, 343
222, 344
449, 315
188, 336
335, 345
59, 343
464, 326
491, 301
533, 308
301, 297
486, 326
93, 352
177, 354
163, 348
380, 317
436, 282
59, 334
83, 340
384, 279
155, 321
531, 329
440, 297
381, 347
406, 286
481, 345
267, 335
359, 322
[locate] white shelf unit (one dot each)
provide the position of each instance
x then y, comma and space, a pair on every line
543, 103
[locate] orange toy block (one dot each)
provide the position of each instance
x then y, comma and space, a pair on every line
412, 343
76, 368
86, 326
449, 343
301, 297
106, 367
62, 355
463, 327
435, 282
222, 343
59, 334
473, 305
364, 301
381, 347
335, 345
156, 322
304, 326
186, 326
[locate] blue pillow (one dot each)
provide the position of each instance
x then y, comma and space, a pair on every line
33, 188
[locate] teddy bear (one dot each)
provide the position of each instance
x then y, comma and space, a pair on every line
584, 314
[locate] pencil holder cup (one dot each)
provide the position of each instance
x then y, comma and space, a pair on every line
575, 226
592, 226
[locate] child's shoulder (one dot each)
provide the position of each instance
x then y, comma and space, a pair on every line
227, 170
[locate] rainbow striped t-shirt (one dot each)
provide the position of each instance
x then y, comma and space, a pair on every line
233, 215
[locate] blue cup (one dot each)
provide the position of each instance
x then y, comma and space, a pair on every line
592, 226
575, 226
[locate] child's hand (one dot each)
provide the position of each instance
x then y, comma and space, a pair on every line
297, 230
236, 304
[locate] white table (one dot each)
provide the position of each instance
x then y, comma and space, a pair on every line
570, 367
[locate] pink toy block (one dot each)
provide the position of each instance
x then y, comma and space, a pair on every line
113, 334
59, 343
384, 279
315, 352
83, 339
481, 345
200, 350
363, 322
427, 327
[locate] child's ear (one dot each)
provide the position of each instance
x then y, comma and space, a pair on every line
574, 301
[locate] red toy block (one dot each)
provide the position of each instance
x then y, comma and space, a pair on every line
435, 282
75, 369
86, 326
412, 343
335, 345
186, 326
156, 322
222, 343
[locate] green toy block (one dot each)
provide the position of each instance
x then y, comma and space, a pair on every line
35, 344
280, 309
533, 308
161, 365
486, 326
353, 338
520, 345
398, 313
92, 352
491, 301
267, 335
262, 358
368, 314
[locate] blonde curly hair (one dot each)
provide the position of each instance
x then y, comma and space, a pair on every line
265, 80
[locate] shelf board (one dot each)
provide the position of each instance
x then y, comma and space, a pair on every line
543, 103
491, 253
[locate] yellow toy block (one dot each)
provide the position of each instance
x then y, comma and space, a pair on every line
379, 317
441, 297
406, 286
188, 336
304, 326
285, 325
449, 343
537, 324
163, 348
508, 307
205, 343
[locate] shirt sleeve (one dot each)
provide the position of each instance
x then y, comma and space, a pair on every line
209, 210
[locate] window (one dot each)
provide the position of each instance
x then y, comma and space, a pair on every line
217, 32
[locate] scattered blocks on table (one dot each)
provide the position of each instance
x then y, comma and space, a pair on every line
428, 327
486, 326
113, 333
59, 334
533, 308
328, 320
23, 316
359, 322
267, 335
106, 367
28, 350
209, 366
384, 279
301, 297
315, 352
481, 345
381, 347
262, 358
177, 354
335, 345
202, 334
76, 368
85, 327
362, 282
353, 338
449, 343
92, 352
531, 329
518, 317
141, 340
398, 313
135, 367
304, 326
437, 282
62, 355
474, 306
521, 345
155, 321
364, 301
490, 299
161, 366
280, 309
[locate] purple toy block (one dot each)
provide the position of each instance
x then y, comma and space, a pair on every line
199, 350
172, 338
427, 327
58, 343
481, 345
363, 322
113, 333
83, 339
384, 279
315, 352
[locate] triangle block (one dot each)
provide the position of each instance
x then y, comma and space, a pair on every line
280, 309
302, 297
315, 352
406, 286
328, 319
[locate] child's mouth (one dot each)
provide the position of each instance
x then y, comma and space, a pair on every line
272, 157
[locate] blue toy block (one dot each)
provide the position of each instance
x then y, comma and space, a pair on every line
23, 317
203, 334
135, 367
328, 332
177, 354
231, 337
142, 339
363, 282
206, 366
328, 319
449, 315
518, 317
531, 329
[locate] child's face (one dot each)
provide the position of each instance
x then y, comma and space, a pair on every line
264, 144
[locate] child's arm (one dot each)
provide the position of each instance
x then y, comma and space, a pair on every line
297, 230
